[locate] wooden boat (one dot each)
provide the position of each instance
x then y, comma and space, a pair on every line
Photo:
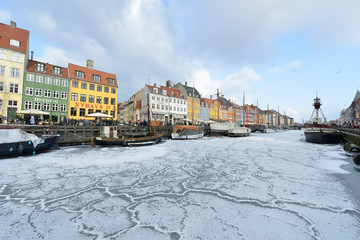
16, 142
109, 137
185, 132
323, 135
220, 129
239, 132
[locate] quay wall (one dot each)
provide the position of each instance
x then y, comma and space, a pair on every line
351, 135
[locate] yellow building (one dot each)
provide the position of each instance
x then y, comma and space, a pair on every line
193, 100
215, 109
91, 91
14, 45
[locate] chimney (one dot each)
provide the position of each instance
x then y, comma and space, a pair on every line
32, 55
168, 83
185, 84
12, 24
90, 64
154, 84
210, 96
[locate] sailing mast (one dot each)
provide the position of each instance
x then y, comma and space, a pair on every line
218, 105
192, 115
244, 109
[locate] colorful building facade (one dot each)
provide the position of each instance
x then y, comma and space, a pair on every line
193, 100
14, 49
91, 91
46, 88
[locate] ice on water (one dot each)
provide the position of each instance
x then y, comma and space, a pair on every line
266, 186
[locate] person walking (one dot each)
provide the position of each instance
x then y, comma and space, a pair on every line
32, 120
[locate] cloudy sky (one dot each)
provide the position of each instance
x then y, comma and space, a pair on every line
280, 53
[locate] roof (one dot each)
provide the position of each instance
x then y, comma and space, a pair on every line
357, 96
170, 92
88, 75
7, 32
190, 90
31, 67
227, 103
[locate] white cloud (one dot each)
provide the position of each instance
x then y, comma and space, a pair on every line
5, 17
295, 64
56, 56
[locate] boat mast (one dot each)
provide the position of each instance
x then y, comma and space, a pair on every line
149, 113
192, 115
244, 109
218, 105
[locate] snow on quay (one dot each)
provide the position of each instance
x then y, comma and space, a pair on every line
266, 186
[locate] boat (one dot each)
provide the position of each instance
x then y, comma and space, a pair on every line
16, 142
239, 132
318, 131
185, 132
108, 137
220, 129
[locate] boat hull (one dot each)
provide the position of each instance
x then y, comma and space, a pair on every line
125, 142
323, 136
23, 148
239, 132
176, 136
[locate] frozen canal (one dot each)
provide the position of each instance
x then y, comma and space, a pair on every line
266, 186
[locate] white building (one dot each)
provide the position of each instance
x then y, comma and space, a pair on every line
162, 104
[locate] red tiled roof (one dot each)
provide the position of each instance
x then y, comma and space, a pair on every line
176, 92
88, 75
31, 67
7, 32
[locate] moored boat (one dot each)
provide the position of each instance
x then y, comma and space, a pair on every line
220, 129
239, 132
108, 137
323, 135
186, 132
16, 142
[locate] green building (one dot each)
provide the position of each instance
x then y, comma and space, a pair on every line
46, 88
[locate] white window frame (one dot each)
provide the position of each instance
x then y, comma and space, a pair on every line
29, 91
37, 105
65, 83
15, 72
55, 107
2, 70
56, 94
2, 86
47, 93
48, 80
14, 43
38, 92
39, 79
3, 54
28, 105
63, 108
46, 107
57, 81
30, 77
63, 95
14, 88
15, 57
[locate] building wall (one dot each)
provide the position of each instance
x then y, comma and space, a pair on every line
193, 108
55, 104
76, 105
11, 101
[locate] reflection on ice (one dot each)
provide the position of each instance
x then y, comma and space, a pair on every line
266, 186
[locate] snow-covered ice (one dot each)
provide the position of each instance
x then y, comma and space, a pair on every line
266, 186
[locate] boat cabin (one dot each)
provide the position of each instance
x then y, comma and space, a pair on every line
108, 132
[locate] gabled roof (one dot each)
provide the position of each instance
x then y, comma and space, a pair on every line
89, 73
226, 102
357, 96
170, 92
7, 32
31, 67
189, 90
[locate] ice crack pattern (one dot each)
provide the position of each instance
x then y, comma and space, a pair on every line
266, 186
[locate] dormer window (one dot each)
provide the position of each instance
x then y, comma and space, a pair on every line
14, 43
96, 78
57, 70
111, 81
40, 67
164, 92
155, 90
79, 74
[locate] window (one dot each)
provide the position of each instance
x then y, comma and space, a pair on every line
29, 91
98, 99
39, 79
79, 74
106, 112
170, 108
155, 90
16, 57
83, 98
46, 107
82, 112
14, 88
166, 107
111, 81
3, 54
113, 90
158, 98
96, 78
91, 99
37, 106
63, 95
1, 86
84, 85
40, 67
65, 83
92, 87
12, 103
74, 96
153, 97
106, 100
57, 81
48, 80
157, 106
90, 111
153, 106
28, 105
56, 94
113, 101
63, 108
57, 70
162, 107
55, 107
2, 70
73, 111
15, 72
30, 77
75, 84
106, 89
38, 92
14, 43
99, 88
1, 104
47, 93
